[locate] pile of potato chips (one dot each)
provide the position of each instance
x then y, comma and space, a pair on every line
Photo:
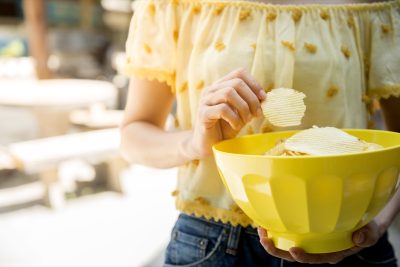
285, 107
321, 142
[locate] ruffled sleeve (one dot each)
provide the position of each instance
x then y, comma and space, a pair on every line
384, 63
151, 46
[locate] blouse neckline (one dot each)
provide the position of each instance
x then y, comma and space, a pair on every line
261, 5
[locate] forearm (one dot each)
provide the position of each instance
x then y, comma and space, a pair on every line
147, 144
389, 213
391, 111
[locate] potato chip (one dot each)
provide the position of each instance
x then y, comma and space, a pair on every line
284, 107
371, 146
320, 141
326, 141
277, 150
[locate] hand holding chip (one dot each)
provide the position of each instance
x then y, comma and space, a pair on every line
224, 108
231, 102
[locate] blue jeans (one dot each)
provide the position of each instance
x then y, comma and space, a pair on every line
200, 242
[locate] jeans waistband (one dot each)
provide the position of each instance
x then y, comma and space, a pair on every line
234, 232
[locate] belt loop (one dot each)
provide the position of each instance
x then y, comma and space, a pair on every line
233, 240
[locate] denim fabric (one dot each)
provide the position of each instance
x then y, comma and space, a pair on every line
200, 242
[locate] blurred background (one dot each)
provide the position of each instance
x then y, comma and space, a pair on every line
66, 196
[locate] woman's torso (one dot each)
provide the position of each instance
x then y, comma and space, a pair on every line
338, 56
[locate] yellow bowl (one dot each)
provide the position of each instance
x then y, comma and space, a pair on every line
312, 202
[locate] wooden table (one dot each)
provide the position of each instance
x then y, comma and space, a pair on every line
43, 156
51, 101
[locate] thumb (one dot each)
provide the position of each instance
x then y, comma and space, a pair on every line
367, 235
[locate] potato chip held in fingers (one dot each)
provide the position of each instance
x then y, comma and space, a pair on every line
284, 107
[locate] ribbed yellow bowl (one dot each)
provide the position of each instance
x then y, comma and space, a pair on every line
312, 202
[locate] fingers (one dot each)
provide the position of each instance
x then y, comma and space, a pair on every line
364, 237
269, 246
210, 115
227, 132
234, 99
247, 94
299, 255
231, 96
222, 91
243, 75
367, 235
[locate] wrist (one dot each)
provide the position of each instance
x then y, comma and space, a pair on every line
389, 212
384, 220
186, 147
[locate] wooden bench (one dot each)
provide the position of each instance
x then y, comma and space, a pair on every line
44, 156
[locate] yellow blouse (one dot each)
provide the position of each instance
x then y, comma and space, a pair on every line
339, 56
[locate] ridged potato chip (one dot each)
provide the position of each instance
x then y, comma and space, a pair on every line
326, 141
277, 150
371, 146
284, 107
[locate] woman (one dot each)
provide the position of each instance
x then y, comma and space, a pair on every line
216, 59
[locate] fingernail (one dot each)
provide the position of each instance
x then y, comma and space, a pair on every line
262, 94
360, 238
259, 112
295, 252
260, 231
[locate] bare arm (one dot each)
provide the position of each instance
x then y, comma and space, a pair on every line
224, 108
143, 138
391, 111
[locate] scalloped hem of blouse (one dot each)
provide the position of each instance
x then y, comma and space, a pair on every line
159, 75
385, 92
234, 218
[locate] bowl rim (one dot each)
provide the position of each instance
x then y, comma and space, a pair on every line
386, 149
